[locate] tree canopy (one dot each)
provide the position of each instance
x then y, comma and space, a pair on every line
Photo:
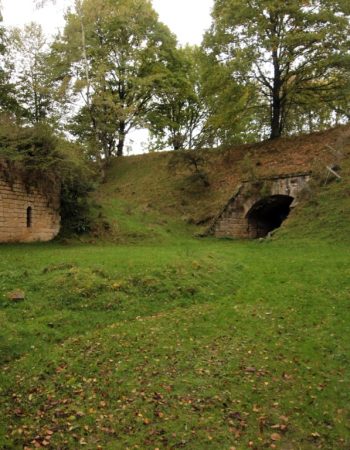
265, 68
7, 99
116, 53
178, 112
33, 75
294, 52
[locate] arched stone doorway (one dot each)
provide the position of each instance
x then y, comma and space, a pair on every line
249, 215
268, 214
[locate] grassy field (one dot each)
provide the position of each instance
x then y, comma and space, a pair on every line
160, 340
199, 344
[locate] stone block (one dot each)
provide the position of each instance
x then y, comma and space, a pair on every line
14, 201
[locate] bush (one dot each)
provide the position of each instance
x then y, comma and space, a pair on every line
192, 161
50, 163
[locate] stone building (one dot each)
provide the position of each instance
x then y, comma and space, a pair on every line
27, 212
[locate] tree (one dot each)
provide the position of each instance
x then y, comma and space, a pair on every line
33, 75
117, 52
232, 116
178, 114
290, 49
7, 100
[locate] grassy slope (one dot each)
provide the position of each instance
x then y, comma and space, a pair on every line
324, 213
144, 199
179, 342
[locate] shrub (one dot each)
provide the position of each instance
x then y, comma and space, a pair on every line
50, 163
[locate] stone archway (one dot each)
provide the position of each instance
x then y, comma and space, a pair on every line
259, 206
268, 214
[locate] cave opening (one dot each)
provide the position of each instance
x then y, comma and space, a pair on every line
268, 214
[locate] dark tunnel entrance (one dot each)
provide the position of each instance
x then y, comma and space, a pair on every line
268, 214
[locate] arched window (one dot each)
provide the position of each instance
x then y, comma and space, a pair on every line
29, 216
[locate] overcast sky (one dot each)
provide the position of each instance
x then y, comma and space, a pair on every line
186, 18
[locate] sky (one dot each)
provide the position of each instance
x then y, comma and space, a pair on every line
188, 19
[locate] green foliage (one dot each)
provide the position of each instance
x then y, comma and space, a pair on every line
76, 208
115, 53
7, 98
78, 179
33, 75
178, 115
52, 164
230, 104
36, 148
295, 53
192, 162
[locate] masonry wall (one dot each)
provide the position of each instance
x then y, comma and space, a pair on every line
18, 223
233, 222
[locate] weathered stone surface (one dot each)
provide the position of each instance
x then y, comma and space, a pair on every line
27, 215
232, 221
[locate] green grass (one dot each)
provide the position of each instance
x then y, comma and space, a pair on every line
203, 344
161, 340
143, 197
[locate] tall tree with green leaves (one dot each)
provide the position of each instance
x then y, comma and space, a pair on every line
291, 50
7, 99
116, 52
232, 117
178, 115
33, 77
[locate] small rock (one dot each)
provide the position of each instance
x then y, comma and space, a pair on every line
16, 296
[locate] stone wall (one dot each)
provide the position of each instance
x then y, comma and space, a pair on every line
232, 221
27, 214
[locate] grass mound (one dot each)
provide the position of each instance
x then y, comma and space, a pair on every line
159, 197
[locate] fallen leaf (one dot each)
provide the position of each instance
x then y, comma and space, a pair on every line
316, 435
284, 418
276, 437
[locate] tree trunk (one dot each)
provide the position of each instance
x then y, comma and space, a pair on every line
276, 117
177, 141
277, 112
121, 139
36, 107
